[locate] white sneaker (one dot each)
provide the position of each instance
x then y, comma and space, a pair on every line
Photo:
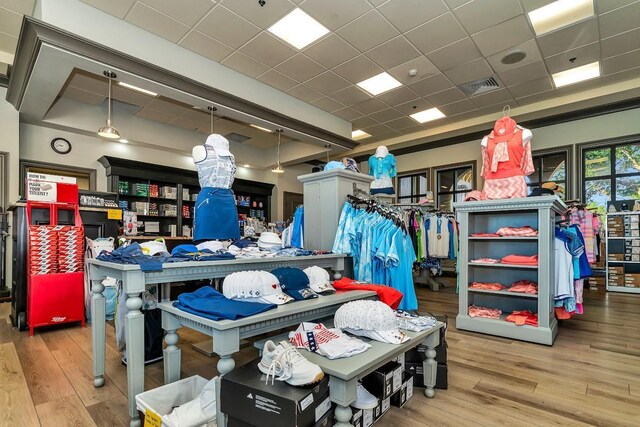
285, 362
364, 399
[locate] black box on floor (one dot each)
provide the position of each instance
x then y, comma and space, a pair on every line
384, 381
245, 397
443, 331
405, 393
357, 417
415, 369
442, 377
418, 354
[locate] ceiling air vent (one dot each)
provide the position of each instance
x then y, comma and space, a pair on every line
481, 86
236, 137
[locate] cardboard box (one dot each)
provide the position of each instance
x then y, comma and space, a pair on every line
245, 397
416, 371
418, 353
367, 417
384, 381
618, 269
400, 359
403, 395
357, 418
615, 257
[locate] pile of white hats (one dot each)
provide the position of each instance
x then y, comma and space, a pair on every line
372, 319
254, 286
269, 240
319, 280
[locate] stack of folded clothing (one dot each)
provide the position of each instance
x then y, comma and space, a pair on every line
524, 286
523, 317
490, 313
487, 286
517, 232
520, 259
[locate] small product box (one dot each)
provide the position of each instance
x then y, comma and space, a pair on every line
405, 393
357, 418
248, 398
384, 381
416, 371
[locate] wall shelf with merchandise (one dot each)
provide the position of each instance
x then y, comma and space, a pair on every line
623, 252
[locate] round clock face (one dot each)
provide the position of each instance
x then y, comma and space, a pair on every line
60, 145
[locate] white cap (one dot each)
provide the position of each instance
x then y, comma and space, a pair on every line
254, 286
382, 151
154, 247
373, 319
268, 240
212, 245
319, 280
220, 144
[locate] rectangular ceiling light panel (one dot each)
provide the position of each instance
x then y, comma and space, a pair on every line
381, 83
359, 134
578, 74
261, 128
428, 115
137, 89
298, 29
560, 14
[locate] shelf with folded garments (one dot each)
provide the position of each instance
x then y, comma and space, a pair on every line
501, 265
505, 238
502, 322
504, 292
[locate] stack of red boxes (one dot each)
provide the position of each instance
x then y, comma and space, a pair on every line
186, 212
43, 241
154, 190
70, 249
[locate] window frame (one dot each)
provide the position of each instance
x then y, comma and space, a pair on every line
567, 150
25, 165
426, 172
453, 166
611, 144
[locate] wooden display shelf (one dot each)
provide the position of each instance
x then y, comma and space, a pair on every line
501, 265
503, 292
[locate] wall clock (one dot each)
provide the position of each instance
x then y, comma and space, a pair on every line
60, 145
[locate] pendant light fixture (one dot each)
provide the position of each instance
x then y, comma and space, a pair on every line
109, 131
278, 168
212, 109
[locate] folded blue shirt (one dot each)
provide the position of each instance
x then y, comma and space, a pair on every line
209, 303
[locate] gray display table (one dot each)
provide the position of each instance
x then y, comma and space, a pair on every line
134, 281
487, 217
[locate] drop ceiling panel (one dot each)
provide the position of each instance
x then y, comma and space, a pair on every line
529, 5
455, 3
532, 71
351, 95
364, 122
431, 85
529, 48
304, 93
278, 80
457, 107
157, 23
205, 46
185, 123
446, 97
158, 116
227, 27
401, 123
327, 83
166, 106
386, 115
469, 72
83, 96
619, 20
542, 96
189, 12
408, 14
379, 129
90, 83
621, 76
581, 56
609, 5
333, 14
117, 8
503, 36
262, 16
532, 87
421, 64
621, 43
359, 32
476, 15
130, 96
300, 67
568, 38
394, 52
369, 106
620, 63
358, 69
268, 50
500, 96
24, 7
437, 33
331, 51
244, 64
398, 96
198, 116
455, 54
10, 22
414, 106
328, 104
348, 113
224, 126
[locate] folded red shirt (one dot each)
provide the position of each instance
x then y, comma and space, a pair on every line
484, 235
386, 294
524, 317
517, 232
487, 286
520, 259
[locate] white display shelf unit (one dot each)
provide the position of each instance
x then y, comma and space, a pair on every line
487, 217
623, 246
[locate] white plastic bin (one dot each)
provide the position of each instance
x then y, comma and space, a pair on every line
163, 399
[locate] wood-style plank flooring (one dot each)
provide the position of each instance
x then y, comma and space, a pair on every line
591, 376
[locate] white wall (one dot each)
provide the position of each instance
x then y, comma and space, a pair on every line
35, 145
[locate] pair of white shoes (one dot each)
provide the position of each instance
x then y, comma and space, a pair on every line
283, 362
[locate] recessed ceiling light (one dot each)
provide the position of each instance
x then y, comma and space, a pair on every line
379, 84
578, 74
261, 128
246, 165
124, 141
513, 57
298, 29
559, 14
359, 134
427, 115
137, 89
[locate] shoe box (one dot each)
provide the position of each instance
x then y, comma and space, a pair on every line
405, 393
417, 370
418, 354
384, 381
249, 400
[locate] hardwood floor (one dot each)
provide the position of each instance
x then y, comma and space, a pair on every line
591, 375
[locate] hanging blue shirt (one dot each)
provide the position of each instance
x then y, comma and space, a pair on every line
298, 227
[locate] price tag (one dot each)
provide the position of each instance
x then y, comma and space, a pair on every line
151, 419
114, 214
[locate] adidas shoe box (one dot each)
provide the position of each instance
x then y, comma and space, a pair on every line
405, 393
417, 370
248, 400
384, 381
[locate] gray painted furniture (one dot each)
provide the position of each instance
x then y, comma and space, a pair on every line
324, 195
227, 334
487, 217
345, 373
134, 281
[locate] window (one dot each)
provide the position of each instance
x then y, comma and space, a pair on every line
453, 184
550, 166
85, 178
610, 173
412, 186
